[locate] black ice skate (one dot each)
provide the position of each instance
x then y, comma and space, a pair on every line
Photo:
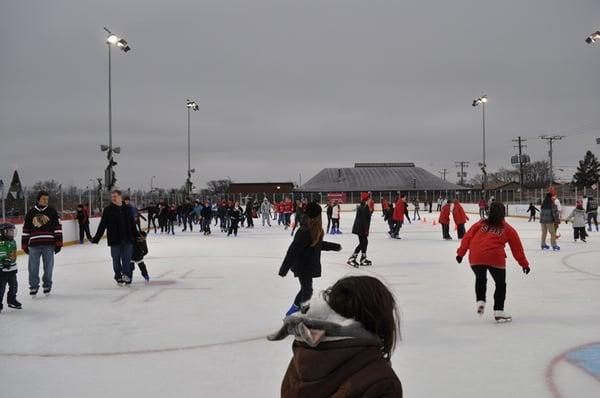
33, 291
47, 291
352, 261
364, 261
13, 303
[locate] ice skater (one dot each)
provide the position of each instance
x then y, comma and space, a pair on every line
485, 241
303, 257
8, 266
549, 217
234, 213
140, 250
416, 206
579, 218
444, 220
335, 218
265, 211
398, 218
345, 342
362, 224
592, 213
298, 212
460, 218
532, 210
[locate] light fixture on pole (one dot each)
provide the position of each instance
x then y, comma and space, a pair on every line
594, 37
109, 175
476, 102
191, 105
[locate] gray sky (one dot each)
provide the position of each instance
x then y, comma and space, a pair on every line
288, 87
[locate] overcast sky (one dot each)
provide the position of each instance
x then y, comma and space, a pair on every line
289, 87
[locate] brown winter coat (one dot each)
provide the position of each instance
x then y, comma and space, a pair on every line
340, 369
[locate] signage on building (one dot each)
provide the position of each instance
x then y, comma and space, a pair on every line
339, 196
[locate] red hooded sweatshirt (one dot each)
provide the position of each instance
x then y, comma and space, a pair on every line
398, 211
445, 214
486, 245
459, 215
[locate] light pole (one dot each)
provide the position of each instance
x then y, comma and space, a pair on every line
476, 102
109, 175
90, 196
191, 105
2, 193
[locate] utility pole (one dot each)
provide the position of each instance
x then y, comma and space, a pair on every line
462, 164
521, 161
443, 173
550, 140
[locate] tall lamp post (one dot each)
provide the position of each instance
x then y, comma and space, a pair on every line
476, 102
191, 105
109, 175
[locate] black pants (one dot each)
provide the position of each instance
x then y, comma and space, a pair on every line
10, 279
460, 230
306, 290
142, 266
592, 216
328, 222
446, 231
84, 229
363, 242
249, 220
579, 232
151, 222
397, 226
233, 227
499, 276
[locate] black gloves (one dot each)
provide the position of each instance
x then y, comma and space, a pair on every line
337, 247
57, 249
526, 270
459, 259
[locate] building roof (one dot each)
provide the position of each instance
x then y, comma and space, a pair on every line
377, 177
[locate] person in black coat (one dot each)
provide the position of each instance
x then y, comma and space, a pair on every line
249, 215
234, 213
83, 222
303, 257
121, 229
362, 224
206, 215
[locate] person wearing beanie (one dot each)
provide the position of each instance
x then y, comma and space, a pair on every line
303, 256
578, 216
361, 226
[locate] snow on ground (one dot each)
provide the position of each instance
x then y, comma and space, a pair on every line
197, 330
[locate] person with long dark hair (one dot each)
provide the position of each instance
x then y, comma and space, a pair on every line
344, 342
549, 217
303, 257
485, 242
362, 224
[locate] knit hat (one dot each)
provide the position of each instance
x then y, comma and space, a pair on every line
364, 196
313, 210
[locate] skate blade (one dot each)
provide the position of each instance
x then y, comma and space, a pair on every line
503, 320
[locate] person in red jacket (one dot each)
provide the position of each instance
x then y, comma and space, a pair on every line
444, 220
398, 217
485, 242
460, 218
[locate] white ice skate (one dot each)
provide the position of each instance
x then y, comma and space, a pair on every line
480, 307
502, 316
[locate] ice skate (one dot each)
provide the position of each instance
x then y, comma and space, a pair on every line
364, 261
502, 316
352, 261
556, 248
33, 291
13, 303
293, 309
47, 291
480, 307
545, 247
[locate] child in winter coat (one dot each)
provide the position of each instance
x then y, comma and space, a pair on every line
304, 255
578, 216
444, 220
343, 343
140, 249
485, 242
8, 266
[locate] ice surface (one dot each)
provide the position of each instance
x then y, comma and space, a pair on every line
197, 330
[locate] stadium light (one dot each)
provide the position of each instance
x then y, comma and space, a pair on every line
594, 37
191, 105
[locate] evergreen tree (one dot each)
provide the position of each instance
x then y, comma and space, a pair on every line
588, 171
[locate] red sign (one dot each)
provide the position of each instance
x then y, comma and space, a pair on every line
339, 196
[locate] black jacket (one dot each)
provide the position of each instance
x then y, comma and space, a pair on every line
206, 212
362, 222
303, 259
119, 224
140, 249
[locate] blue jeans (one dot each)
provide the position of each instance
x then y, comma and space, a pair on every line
46, 252
121, 256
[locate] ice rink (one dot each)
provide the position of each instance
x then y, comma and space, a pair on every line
197, 329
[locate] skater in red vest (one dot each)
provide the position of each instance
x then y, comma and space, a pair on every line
398, 218
460, 218
444, 220
485, 242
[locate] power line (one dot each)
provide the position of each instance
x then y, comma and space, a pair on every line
521, 160
462, 164
443, 173
550, 140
